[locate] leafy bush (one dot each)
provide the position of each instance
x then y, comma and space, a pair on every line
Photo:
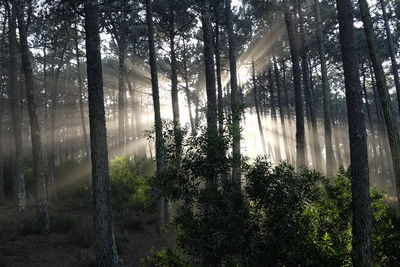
331, 219
129, 190
283, 218
278, 228
166, 258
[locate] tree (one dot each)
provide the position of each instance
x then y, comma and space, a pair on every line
294, 51
391, 51
235, 97
80, 93
384, 97
361, 202
212, 132
106, 251
330, 158
37, 152
16, 109
160, 156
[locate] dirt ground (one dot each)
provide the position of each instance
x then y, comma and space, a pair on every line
71, 242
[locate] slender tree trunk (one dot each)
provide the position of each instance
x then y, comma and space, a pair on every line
121, 93
257, 106
275, 131
281, 110
106, 252
160, 156
384, 149
217, 10
53, 111
294, 51
288, 112
174, 82
361, 202
310, 111
373, 161
391, 51
16, 109
1, 145
330, 158
236, 104
187, 91
80, 96
212, 131
37, 153
387, 108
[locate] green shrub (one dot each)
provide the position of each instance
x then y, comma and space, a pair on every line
284, 218
278, 229
331, 219
129, 190
165, 258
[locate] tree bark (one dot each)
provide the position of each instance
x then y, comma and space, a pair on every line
16, 110
212, 131
106, 252
257, 106
294, 51
391, 51
361, 202
281, 110
373, 161
37, 153
121, 92
236, 105
330, 158
217, 10
174, 82
80, 96
275, 131
387, 108
160, 156
187, 91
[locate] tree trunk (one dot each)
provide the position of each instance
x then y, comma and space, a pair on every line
187, 91
80, 96
294, 51
275, 130
53, 110
387, 108
16, 109
257, 106
160, 156
373, 161
106, 252
1, 146
330, 158
361, 202
37, 153
288, 112
217, 10
236, 104
391, 51
174, 83
281, 110
212, 131
121, 93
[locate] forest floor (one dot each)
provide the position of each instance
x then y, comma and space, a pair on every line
71, 242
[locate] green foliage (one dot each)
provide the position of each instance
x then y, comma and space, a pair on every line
278, 228
129, 190
282, 218
166, 258
215, 230
331, 221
